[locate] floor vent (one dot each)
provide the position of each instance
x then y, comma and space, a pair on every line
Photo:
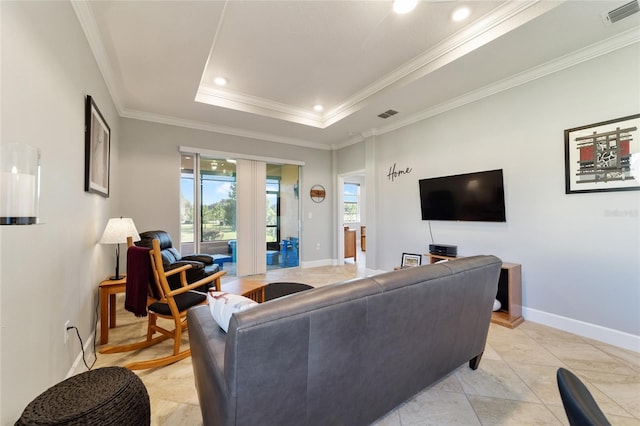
622, 12
388, 113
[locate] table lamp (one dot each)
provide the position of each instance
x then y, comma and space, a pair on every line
116, 232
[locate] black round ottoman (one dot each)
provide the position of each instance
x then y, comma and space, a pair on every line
276, 290
104, 396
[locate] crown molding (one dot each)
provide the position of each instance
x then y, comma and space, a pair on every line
232, 131
588, 53
256, 105
90, 28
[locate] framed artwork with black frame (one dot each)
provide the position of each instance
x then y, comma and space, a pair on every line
410, 260
603, 156
97, 148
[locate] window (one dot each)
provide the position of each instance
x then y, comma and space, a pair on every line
208, 213
273, 213
351, 199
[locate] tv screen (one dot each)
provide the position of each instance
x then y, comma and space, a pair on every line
466, 197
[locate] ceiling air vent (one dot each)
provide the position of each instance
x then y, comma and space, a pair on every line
388, 113
622, 12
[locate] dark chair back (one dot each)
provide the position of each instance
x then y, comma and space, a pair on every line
579, 405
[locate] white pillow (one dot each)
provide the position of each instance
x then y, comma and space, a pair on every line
222, 305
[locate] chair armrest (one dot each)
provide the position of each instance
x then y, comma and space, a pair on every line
204, 258
199, 283
176, 270
179, 263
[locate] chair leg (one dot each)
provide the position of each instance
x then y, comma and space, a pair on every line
153, 318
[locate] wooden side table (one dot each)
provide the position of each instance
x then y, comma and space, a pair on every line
509, 292
108, 290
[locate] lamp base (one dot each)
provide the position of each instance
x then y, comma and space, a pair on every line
116, 277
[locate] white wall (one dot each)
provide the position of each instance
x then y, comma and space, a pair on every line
50, 272
150, 158
580, 263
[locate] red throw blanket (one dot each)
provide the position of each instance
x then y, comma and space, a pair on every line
139, 277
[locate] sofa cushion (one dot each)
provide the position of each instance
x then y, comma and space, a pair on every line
222, 305
183, 301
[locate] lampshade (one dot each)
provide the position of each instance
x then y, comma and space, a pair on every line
118, 229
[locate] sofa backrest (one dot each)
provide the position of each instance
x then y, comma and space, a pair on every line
391, 334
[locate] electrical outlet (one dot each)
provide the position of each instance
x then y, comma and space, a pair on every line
66, 331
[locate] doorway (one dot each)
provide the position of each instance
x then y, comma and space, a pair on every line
352, 217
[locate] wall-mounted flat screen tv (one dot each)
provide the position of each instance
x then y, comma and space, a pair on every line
467, 197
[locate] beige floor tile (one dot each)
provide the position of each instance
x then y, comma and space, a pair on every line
622, 421
515, 346
391, 419
170, 413
541, 379
629, 358
172, 383
434, 407
544, 334
450, 383
495, 379
558, 411
494, 411
584, 356
613, 392
490, 353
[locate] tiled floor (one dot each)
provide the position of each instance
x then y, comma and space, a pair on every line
515, 384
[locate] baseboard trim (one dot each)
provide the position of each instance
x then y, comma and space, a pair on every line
584, 329
315, 263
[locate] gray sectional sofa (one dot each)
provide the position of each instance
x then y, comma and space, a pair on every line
343, 354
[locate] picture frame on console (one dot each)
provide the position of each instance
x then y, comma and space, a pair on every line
411, 260
603, 156
97, 148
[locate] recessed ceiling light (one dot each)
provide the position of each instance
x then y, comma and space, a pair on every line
318, 108
220, 81
460, 14
404, 6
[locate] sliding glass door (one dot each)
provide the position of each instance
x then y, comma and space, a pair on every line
208, 207
210, 201
282, 216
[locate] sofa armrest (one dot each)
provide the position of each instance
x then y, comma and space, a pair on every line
204, 258
207, 342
